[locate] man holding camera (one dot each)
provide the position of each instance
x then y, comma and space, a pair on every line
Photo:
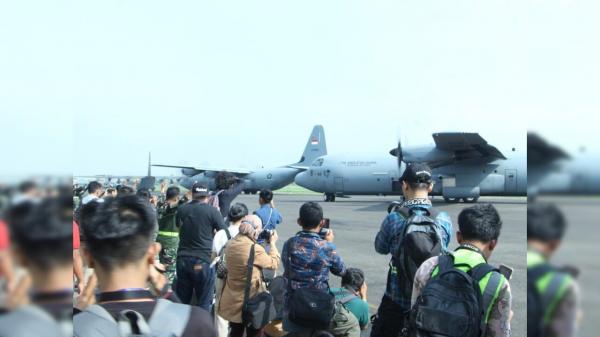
417, 183
307, 258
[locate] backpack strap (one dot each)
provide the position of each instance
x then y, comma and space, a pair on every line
347, 298
132, 323
551, 292
269, 220
445, 262
534, 273
489, 292
228, 234
170, 317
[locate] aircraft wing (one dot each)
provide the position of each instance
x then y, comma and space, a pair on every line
298, 167
201, 169
451, 148
540, 152
466, 146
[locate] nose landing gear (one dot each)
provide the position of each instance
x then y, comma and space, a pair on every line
329, 197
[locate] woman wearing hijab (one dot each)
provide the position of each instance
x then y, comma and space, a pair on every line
238, 252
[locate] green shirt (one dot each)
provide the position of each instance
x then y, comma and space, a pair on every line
356, 306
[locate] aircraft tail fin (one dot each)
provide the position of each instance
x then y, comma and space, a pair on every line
148, 181
315, 147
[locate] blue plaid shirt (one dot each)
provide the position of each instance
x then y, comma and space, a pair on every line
307, 260
385, 243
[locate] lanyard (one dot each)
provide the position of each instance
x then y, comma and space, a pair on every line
472, 248
124, 295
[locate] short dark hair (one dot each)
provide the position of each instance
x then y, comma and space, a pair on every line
480, 222
125, 190
353, 279
93, 186
110, 190
311, 215
266, 195
224, 180
43, 231
237, 211
120, 231
172, 192
86, 212
545, 222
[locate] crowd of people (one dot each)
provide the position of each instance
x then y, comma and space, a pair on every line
201, 264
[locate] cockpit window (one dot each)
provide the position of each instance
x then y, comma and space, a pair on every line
318, 162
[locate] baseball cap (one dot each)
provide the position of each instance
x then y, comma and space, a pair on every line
417, 173
199, 189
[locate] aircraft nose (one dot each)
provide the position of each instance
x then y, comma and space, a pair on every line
302, 179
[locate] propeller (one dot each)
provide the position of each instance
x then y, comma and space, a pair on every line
397, 152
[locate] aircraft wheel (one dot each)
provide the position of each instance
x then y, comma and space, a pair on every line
451, 200
470, 200
332, 198
329, 197
254, 192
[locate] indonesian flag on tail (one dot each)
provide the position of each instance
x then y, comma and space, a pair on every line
314, 141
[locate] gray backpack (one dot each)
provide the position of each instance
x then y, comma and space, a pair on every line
33, 321
344, 323
168, 320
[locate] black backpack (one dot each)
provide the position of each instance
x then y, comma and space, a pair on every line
419, 240
452, 304
538, 303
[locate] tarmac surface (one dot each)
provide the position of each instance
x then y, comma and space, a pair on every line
355, 221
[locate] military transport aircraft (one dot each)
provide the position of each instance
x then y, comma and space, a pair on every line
554, 171
264, 178
464, 167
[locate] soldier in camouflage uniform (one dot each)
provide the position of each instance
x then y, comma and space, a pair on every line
168, 231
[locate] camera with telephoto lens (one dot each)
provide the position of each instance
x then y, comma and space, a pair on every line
266, 234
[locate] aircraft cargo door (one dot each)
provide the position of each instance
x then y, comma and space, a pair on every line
339, 184
510, 181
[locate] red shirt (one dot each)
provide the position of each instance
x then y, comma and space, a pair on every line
76, 243
4, 238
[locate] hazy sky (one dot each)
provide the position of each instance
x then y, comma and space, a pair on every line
91, 86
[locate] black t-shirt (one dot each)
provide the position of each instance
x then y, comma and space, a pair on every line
227, 196
200, 323
199, 221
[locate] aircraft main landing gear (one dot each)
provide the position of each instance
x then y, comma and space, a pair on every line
470, 200
329, 197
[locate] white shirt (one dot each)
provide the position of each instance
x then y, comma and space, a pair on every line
90, 197
220, 238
